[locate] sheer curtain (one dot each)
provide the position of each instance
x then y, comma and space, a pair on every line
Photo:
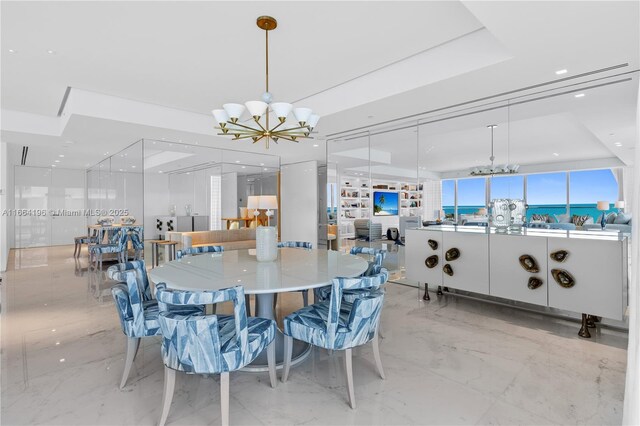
632, 390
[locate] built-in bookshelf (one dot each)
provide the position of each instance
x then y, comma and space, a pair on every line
356, 202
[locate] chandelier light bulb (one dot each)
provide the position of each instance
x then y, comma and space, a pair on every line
261, 125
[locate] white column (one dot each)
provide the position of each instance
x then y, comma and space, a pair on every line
631, 414
299, 202
4, 240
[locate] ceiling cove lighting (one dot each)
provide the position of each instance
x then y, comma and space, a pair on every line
264, 112
491, 170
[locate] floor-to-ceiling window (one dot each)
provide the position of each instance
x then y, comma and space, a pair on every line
547, 194
588, 187
471, 195
449, 198
507, 187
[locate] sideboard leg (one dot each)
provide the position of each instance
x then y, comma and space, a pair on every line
591, 321
445, 289
426, 292
439, 293
584, 330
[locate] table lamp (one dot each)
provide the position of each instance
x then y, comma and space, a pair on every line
268, 202
603, 206
620, 205
253, 203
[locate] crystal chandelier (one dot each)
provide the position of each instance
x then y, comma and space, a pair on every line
260, 125
491, 170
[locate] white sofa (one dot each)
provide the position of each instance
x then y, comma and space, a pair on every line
230, 239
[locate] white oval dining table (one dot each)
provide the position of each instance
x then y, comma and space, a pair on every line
294, 269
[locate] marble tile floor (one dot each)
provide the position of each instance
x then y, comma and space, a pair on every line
447, 361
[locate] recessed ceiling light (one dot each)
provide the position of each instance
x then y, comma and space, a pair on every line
244, 167
262, 164
57, 161
51, 52
13, 51
560, 72
618, 144
555, 154
53, 165
315, 145
237, 161
265, 168
159, 171
580, 95
69, 142
121, 170
61, 155
133, 167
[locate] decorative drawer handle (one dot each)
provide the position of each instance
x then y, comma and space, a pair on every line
448, 269
563, 278
559, 255
433, 244
452, 254
431, 261
529, 263
534, 282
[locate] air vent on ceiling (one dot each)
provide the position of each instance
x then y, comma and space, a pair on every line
25, 151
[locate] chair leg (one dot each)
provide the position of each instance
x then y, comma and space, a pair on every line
167, 396
288, 351
271, 362
376, 355
348, 363
224, 398
305, 298
275, 301
132, 349
247, 303
75, 250
380, 331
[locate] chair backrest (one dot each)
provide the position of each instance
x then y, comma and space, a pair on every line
191, 342
135, 234
295, 244
129, 298
378, 258
365, 311
198, 250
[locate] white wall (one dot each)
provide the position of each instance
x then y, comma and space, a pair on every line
156, 201
631, 411
299, 202
230, 195
4, 238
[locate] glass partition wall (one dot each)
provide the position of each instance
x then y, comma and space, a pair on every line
170, 186
548, 146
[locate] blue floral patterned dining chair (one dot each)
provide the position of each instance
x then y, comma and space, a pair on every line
198, 250
210, 344
117, 245
323, 293
137, 310
336, 324
295, 244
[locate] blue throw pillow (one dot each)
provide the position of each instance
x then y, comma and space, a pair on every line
622, 219
563, 218
611, 218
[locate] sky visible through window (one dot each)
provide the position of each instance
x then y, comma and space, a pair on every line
545, 189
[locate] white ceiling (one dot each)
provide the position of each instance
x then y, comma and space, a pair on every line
360, 62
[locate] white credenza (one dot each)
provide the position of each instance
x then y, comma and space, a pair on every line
489, 264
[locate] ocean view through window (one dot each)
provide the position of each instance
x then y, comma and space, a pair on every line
546, 193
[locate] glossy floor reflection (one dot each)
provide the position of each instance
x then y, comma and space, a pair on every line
447, 361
